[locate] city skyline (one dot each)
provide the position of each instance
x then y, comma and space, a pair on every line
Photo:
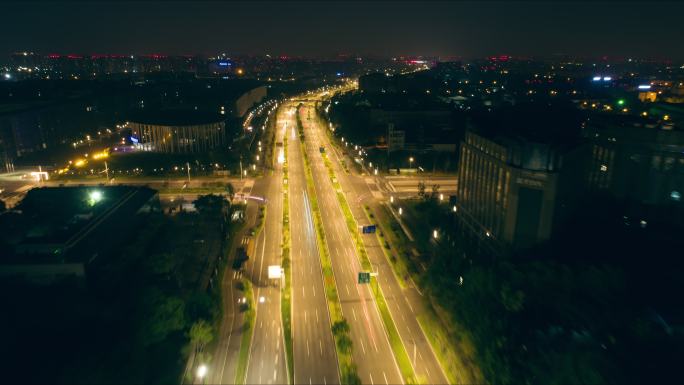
379, 192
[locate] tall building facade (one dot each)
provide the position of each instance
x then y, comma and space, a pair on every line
514, 191
177, 131
179, 139
636, 160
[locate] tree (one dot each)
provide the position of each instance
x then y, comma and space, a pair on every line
435, 191
211, 204
421, 189
161, 264
201, 333
162, 316
230, 189
344, 343
340, 327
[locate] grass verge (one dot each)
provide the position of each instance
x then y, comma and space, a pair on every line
286, 293
440, 333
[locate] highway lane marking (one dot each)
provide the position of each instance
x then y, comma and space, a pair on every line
363, 347
347, 287
384, 375
313, 288
316, 315
371, 378
303, 295
304, 316
275, 374
354, 314
320, 345
409, 305
276, 359
278, 331
308, 353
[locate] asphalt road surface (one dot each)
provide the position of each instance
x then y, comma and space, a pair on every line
372, 352
315, 359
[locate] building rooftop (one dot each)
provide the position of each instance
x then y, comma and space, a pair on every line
175, 117
50, 220
556, 125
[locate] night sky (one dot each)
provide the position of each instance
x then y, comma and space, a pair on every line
383, 28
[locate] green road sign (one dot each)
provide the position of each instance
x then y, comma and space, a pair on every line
364, 277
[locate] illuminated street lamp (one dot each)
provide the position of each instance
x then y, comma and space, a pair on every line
202, 372
441, 197
410, 162
454, 209
435, 234
400, 210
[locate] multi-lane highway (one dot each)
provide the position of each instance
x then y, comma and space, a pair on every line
267, 362
372, 352
315, 359
404, 304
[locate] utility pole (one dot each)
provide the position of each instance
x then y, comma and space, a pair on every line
240, 167
188, 165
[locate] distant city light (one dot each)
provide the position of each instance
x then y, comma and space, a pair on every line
675, 196
607, 78
644, 86
596, 78
8, 76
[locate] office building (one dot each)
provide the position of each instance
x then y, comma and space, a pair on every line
514, 190
178, 131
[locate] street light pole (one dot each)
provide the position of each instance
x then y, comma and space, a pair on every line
240, 167
106, 170
187, 164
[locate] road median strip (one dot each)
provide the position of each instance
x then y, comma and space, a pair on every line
340, 327
286, 293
